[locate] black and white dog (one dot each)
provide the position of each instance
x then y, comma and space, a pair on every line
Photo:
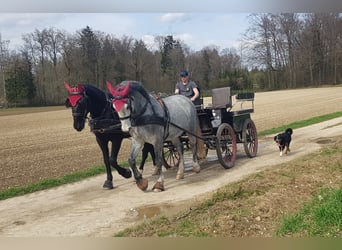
283, 141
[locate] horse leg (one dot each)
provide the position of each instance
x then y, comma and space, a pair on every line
179, 146
108, 184
195, 166
142, 183
143, 157
148, 148
153, 156
116, 144
159, 185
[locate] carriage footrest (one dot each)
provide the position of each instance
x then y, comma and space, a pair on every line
243, 111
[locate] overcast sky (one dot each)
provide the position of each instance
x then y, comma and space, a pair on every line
197, 30
198, 23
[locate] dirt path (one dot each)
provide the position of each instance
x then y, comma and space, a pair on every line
83, 209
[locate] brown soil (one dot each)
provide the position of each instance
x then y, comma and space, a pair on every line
36, 146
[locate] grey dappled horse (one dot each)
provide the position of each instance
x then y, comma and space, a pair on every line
153, 120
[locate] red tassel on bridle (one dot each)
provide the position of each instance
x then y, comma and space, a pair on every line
76, 93
79, 89
120, 95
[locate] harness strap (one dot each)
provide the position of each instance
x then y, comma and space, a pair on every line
137, 119
140, 119
148, 119
104, 125
186, 131
111, 129
167, 116
163, 121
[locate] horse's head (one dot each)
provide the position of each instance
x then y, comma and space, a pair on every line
121, 103
77, 101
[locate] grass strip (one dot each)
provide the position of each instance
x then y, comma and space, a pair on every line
50, 183
300, 124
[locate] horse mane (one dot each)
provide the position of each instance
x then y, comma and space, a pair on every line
136, 86
95, 90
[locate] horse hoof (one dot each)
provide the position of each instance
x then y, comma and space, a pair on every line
158, 187
142, 184
179, 176
196, 168
108, 185
127, 173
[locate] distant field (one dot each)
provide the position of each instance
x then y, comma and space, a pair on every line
19, 111
39, 143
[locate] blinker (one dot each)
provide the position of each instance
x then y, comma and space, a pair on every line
119, 103
74, 99
120, 94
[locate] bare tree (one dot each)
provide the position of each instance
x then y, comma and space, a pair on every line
259, 38
3, 63
55, 39
35, 45
71, 55
123, 69
106, 61
290, 26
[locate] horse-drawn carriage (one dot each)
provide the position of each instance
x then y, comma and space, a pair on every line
162, 122
223, 125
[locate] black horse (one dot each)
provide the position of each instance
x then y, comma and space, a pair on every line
104, 122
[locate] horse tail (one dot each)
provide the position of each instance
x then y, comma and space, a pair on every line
201, 151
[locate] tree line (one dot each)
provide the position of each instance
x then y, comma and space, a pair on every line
277, 51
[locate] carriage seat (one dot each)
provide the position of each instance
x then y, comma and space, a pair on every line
221, 98
243, 99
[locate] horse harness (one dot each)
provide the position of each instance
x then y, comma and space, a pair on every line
141, 119
164, 121
102, 124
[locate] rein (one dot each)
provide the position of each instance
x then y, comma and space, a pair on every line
102, 124
186, 131
107, 129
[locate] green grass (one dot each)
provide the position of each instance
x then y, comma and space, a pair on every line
53, 182
300, 124
70, 178
322, 217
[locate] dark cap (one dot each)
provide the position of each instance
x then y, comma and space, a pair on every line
184, 73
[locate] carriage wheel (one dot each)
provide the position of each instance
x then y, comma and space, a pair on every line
226, 145
170, 156
250, 138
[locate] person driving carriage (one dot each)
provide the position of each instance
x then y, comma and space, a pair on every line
191, 90
188, 88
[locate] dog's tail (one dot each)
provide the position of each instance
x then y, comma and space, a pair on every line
289, 131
